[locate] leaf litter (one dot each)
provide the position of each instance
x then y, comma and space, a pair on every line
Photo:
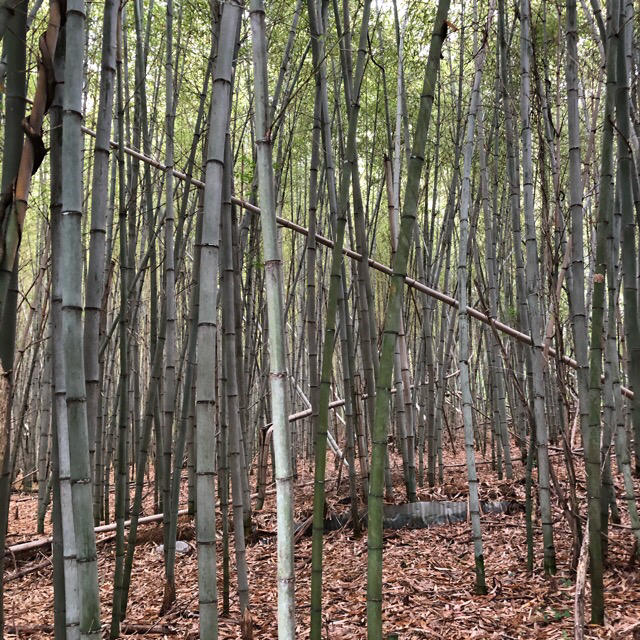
428, 574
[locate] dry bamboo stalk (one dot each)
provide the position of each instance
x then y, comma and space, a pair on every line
45, 542
14, 203
581, 575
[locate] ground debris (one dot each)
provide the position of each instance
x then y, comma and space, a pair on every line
428, 576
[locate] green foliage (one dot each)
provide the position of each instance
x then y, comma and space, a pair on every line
555, 615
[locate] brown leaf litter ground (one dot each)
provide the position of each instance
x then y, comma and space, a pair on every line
428, 575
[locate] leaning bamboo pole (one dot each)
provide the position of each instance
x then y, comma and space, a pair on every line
410, 282
391, 328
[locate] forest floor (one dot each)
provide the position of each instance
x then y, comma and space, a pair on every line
428, 574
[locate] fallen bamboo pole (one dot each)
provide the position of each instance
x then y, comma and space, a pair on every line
45, 542
126, 629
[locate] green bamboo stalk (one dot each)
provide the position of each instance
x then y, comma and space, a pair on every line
207, 322
72, 323
592, 436
44, 447
187, 405
533, 296
513, 174
576, 297
169, 374
383, 385
400, 360
101, 418
629, 244
463, 318
495, 359
348, 366
365, 299
141, 458
609, 414
231, 383
99, 203
122, 487
405, 406
311, 310
67, 586
223, 494
625, 167
273, 282
15, 50
335, 289
57, 548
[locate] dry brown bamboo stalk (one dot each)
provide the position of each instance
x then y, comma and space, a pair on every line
14, 204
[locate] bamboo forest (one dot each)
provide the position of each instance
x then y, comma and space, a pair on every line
320, 319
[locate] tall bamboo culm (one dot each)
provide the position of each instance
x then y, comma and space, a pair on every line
72, 323
383, 384
207, 323
463, 318
593, 433
275, 314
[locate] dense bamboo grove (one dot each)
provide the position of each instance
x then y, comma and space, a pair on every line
238, 239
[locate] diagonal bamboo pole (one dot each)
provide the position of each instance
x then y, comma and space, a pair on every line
410, 282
